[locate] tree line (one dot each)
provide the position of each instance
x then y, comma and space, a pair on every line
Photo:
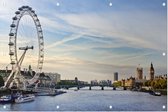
157, 83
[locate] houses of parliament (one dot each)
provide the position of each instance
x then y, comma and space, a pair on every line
130, 82
140, 73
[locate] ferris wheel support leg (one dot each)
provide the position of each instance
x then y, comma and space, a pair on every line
17, 75
9, 80
21, 58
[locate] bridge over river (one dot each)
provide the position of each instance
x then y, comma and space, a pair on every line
90, 87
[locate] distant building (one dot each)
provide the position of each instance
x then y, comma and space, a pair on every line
109, 82
151, 72
123, 82
94, 82
44, 80
161, 77
139, 73
30, 70
76, 80
55, 77
105, 82
116, 76
73, 82
130, 82
5, 74
83, 82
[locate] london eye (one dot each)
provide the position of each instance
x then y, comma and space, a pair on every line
15, 60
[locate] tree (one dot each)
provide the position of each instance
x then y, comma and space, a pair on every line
156, 84
146, 83
117, 84
1, 81
149, 83
152, 83
163, 84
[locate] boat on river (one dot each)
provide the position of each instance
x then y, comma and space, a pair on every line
155, 93
25, 98
6, 99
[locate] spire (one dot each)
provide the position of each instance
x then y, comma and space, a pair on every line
139, 67
6, 68
152, 66
29, 67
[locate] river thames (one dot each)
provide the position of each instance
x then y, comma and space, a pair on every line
93, 100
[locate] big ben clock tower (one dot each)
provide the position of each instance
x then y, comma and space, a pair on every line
152, 72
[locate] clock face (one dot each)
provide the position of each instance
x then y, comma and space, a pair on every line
152, 71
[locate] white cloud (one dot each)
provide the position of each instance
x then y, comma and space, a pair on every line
118, 27
69, 38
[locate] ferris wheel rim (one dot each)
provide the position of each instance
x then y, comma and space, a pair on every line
22, 11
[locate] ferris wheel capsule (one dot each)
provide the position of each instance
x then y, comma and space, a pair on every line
40, 30
11, 44
20, 9
12, 25
37, 19
23, 7
17, 12
14, 18
35, 15
39, 25
41, 61
13, 62
42, 43
32, 11
30, 8
42, 56
11, 34
11, 53
26, 6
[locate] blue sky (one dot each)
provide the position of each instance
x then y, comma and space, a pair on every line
90, 39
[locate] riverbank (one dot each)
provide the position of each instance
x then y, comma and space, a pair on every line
162, 91
4, 92
10, 91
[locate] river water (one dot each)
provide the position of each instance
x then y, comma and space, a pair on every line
93, 100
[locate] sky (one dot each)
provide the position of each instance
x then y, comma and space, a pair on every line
91, 39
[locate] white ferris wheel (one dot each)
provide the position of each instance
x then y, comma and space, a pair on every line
15, 76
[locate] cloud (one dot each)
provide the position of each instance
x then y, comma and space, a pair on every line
69, 38
108, 27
